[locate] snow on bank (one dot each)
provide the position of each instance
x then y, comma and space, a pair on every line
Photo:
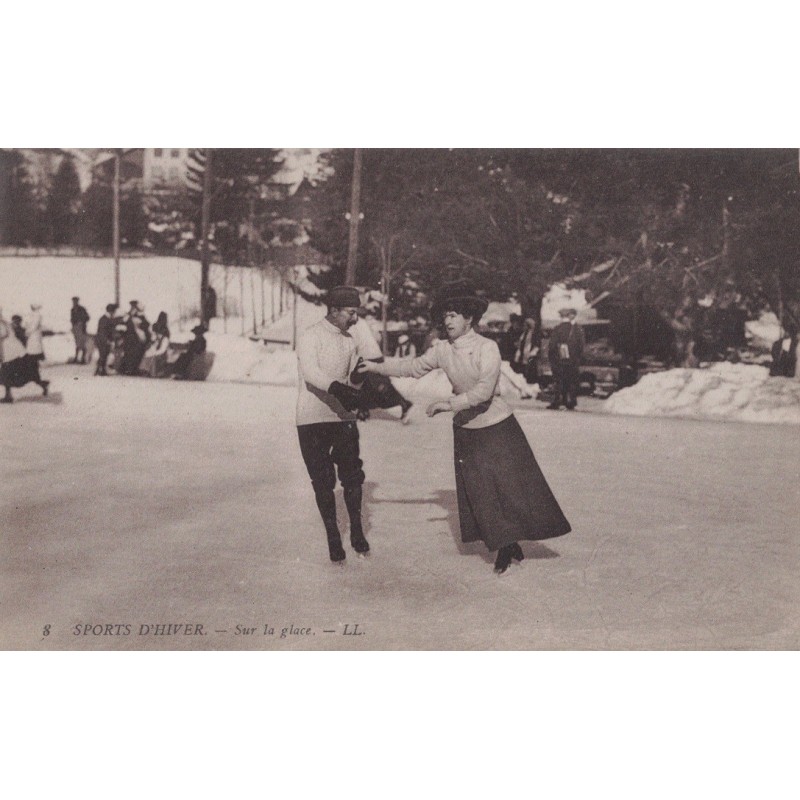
724, 391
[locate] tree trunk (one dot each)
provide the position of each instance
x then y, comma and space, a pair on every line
205, 253
263, 298
355, 218
241, 297
115, 214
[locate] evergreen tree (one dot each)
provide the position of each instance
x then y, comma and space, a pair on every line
19, 213
241, 182
689, 234
97, 215
63, 203
133, 218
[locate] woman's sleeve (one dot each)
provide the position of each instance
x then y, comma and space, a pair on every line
483, 390
410, 367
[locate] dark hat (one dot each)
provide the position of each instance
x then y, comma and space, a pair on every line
343, 297
459, 297
111, 308
199, 329
75, 299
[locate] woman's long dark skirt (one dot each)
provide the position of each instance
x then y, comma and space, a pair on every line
503, 496
20, 371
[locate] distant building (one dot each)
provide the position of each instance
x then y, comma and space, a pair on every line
152, 169
164, 168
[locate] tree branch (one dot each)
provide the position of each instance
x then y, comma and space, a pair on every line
472, 258
606, 265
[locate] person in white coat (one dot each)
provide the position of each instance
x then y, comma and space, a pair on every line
33, 330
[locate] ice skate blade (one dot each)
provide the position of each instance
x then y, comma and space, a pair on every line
512, 567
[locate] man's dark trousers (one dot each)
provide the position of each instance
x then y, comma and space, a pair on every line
328, 447
567, 380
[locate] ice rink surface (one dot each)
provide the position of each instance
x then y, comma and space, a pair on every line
134, 503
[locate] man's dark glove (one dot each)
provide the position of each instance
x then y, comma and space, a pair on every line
346, 395
356, 377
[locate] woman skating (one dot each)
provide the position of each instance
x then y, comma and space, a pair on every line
18, 367
503, 497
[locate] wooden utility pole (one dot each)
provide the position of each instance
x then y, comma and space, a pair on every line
385, 285
726, 231
294, 311
115, 213
251, 222
205, 253
355, 218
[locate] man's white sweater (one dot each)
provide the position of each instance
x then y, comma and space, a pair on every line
324, 355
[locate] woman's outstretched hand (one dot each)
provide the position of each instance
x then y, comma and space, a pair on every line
437, 407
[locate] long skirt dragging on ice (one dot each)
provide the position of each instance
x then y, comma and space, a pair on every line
20, 371
503, 496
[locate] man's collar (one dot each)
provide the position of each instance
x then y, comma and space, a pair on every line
333, 327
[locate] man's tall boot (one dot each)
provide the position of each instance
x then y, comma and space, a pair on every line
326, 503
352, 499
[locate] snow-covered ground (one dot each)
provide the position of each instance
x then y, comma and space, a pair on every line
135, 502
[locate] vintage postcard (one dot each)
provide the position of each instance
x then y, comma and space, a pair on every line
409, 399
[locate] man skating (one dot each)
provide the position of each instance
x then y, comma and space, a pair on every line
326, 420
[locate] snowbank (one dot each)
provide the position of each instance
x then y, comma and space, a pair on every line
724, 391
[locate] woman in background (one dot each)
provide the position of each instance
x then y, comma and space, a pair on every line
18, 368
154, 362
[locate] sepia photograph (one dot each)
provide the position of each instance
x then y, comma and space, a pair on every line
400, 398
431, 431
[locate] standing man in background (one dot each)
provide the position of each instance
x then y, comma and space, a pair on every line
326, 421
78, 317
564, 351
105, 337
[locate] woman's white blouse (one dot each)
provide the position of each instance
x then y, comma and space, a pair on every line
472, 364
